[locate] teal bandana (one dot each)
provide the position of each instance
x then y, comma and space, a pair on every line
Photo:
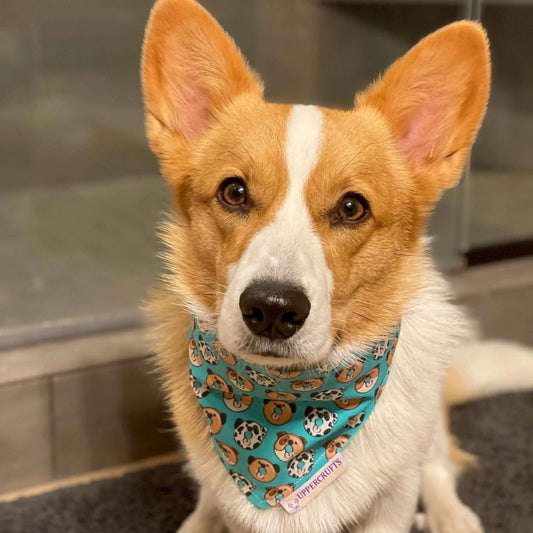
275, 429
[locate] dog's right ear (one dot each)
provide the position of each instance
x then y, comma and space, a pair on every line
191, 69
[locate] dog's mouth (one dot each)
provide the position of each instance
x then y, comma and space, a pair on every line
271, 354
278, 354
269, 348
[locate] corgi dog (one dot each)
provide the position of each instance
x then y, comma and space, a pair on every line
297, 235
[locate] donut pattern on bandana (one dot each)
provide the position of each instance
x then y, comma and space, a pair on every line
273, 429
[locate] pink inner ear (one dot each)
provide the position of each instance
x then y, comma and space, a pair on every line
428, 126
191, 104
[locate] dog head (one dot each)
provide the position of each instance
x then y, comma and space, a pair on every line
297, 230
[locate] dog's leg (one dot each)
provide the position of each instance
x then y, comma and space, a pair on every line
445, 512
393, 512
205, 518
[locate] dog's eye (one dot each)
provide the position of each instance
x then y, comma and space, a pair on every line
232, 193
352, 207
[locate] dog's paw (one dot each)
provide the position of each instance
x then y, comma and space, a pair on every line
459, 519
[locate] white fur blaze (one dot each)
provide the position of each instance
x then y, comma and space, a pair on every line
288, 250
302, 148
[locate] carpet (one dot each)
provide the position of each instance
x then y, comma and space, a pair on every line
156, 500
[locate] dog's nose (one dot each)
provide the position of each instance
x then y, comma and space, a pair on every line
274, 310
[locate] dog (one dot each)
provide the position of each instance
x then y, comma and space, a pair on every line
324, 211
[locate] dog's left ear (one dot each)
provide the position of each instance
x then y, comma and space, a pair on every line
434, 99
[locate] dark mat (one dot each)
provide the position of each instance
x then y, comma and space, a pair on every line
499, 431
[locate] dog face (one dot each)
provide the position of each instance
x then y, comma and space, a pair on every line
194, 355
349, 404
200, 390
248, 434
319, 421
262, 470
302, 464
288, 445
273, 495
215, 420
231, 456
349, 373
326, 207
214, 381
207, 354
334, 445
237, 402
260, 378
245, 485
278, 412
240, 382
355, 420
307, 384
368, 381
224, 354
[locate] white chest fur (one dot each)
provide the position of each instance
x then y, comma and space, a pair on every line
391, 446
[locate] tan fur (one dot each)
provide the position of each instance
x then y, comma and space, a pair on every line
380, 149
454, 388
454, 391
459, 457
377, 267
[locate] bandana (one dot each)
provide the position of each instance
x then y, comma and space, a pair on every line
275, 429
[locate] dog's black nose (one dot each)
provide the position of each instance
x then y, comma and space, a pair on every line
274, 310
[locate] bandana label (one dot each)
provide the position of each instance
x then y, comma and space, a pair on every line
328, 473
279, 432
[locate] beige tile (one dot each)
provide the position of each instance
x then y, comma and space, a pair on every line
506, 314
25, 441
108, 416
68, 355
91, 477
493, 277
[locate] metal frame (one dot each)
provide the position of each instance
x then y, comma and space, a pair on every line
471, 10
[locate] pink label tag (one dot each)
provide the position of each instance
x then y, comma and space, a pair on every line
322, 479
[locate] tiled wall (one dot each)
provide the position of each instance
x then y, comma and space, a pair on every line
80, 421
26, 456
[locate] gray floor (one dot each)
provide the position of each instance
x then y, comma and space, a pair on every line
158, 499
